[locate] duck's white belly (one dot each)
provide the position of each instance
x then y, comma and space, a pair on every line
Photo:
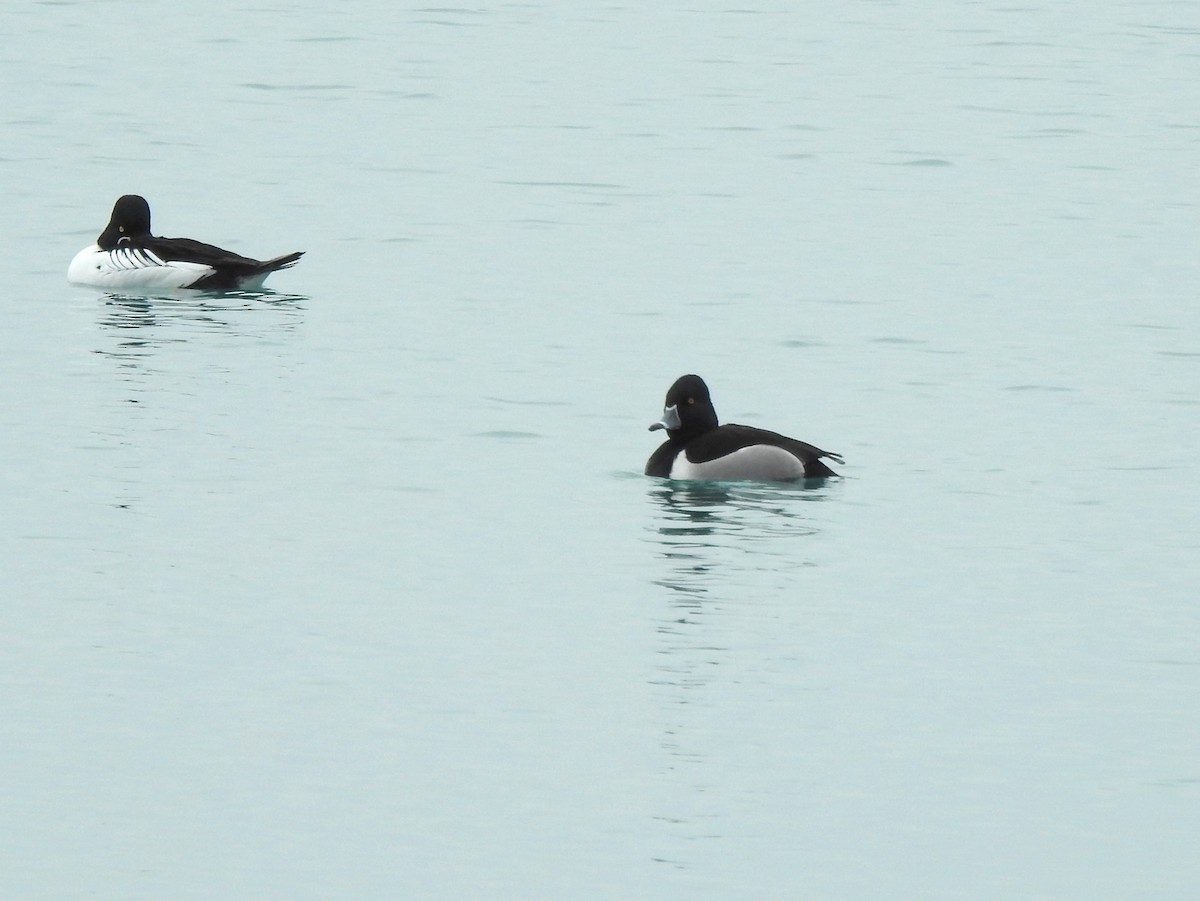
760, 461
127, 267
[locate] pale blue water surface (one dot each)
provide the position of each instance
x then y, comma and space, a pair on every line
355, 589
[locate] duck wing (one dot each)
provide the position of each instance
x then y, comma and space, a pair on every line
731, 437
229, 269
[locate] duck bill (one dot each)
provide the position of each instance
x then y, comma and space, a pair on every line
670, 420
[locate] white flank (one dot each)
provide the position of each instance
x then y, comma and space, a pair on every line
759, 461
128, 267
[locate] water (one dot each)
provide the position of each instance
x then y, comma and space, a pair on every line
354, 589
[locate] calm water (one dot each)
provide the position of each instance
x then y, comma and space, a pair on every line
355, 589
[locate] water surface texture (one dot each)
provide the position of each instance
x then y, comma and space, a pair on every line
354, 588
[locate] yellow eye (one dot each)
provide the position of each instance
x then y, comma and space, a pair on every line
121, 229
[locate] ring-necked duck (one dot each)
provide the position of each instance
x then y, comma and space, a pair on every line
697, 447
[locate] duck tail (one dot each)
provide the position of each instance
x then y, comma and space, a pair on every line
283, 262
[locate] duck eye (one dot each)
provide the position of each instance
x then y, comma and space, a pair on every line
121, 229
691, 400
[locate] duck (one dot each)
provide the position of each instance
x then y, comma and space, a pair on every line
127, 256
699, 447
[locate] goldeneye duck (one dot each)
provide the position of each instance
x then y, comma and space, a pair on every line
698, 447
126, 255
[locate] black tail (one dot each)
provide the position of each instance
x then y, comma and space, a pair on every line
816, 469
284, 262
814, 465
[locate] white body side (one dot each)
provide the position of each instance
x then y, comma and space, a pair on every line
760, 461
130, 268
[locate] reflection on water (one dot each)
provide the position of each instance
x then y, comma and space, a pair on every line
142, 321
733, 524
732, 552
181, 362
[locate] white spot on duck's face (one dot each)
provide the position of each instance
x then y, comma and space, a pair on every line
760, 462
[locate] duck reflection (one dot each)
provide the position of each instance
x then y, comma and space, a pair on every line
692, 513
701, 523
731, 552
160, 361
728, 549
136, 319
